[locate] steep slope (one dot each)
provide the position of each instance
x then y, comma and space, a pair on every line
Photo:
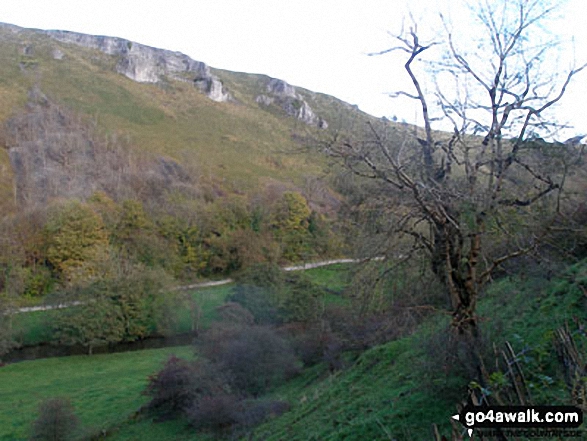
233, 132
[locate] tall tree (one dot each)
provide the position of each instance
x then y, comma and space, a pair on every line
468, 199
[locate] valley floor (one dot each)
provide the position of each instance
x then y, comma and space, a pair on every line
393, 391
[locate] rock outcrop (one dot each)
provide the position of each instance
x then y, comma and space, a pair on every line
147, 64
293, 103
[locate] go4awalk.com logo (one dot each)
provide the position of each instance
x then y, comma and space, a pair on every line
522, 418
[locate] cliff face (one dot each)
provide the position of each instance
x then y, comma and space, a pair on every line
286, 96
147, 64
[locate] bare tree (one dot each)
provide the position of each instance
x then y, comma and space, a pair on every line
468, 198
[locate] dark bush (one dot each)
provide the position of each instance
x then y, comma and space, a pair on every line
307, 341
225, 411
235, 313
310, 341
361, 332
214, 412
56, 421
255, 357
182, 383
259, 288
450, 361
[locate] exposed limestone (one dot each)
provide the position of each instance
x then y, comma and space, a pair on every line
147, 64
294, 104
281, 88
57, 54
265, 100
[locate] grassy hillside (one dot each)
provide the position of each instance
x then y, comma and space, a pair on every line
399, 389
239, 145
392, 392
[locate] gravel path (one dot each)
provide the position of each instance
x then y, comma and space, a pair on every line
305, 266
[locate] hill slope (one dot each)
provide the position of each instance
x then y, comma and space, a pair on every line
232, 131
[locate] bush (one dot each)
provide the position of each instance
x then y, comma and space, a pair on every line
305, 300
214, 412
447, 365
265, 275
127, 307
255, 357
226, 411
231, 312
56, 421
181, 384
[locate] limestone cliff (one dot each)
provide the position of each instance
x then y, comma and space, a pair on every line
292, 102
147, 64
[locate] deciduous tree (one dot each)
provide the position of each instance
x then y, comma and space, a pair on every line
486, 191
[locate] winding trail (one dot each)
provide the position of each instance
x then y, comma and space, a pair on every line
201, 285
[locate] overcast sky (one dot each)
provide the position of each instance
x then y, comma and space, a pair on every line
320, 45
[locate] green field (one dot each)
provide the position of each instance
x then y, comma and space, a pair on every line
104, 389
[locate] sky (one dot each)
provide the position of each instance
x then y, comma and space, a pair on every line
321, 45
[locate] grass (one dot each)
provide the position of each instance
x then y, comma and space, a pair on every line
208, 300
226, 141
33, 328
384, 394
104, 389
237, 147
334, 277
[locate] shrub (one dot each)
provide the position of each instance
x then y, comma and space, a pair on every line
56, 421
265, 275
226, 411
260, 288
255, 357
446, 365
231, 312
180, 384
128, 307
305, 300
76, 241
214, 412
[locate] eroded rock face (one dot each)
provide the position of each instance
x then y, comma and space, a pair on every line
281, 88
54, 154
147, 64
294, 104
